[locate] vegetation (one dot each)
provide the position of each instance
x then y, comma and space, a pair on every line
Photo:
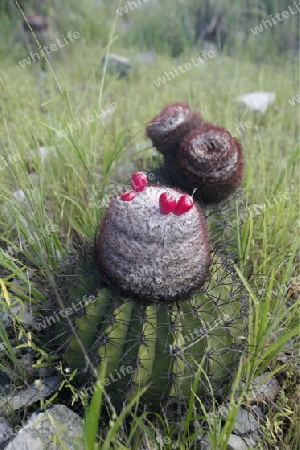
49, 200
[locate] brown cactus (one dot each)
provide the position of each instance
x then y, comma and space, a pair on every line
210, 160
198, 156
171, 125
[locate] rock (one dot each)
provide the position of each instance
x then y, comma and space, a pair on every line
204, 442
57, 428
6, 431
5, 320
23, 312
263, 389
19, 195
117, 64
45, 151
236, 443
40, 389
257, 101
245, 422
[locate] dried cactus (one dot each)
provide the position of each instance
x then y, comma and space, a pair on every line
199, 157
150, 339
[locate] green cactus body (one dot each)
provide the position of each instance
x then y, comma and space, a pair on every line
168, 305
160, 345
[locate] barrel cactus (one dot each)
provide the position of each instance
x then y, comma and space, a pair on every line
199, 157
158, 302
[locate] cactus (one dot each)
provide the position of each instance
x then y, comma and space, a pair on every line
151, 255
173, 319
199, 157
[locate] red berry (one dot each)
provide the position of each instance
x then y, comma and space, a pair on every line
139, 181
167, 203
127, 196
184, 204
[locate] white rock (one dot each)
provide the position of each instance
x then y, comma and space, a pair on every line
117, 63
236, 443
19, 195
44, 151
245, 422
6, 430
264, 388
57, 428
258, 100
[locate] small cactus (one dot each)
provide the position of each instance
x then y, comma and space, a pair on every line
171, 125
199, 157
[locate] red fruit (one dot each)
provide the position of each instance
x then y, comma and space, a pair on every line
184, 204
127, 196
167, 203
139, 181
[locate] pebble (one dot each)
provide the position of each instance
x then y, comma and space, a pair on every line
257, 101
236, 443
6, 430
45, 151
24, 313
264, 389
118, 64
245, 422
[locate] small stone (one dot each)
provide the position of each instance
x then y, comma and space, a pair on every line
46, 151
245, 422
5, 320
6, 431
118, 64
263, 389
257, 101
203, 440
24, 313
236, 443
57, 428
19, 195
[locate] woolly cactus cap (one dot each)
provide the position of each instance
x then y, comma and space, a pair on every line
210, 159
171, 125
153, 245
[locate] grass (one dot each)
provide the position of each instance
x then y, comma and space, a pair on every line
63, 198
